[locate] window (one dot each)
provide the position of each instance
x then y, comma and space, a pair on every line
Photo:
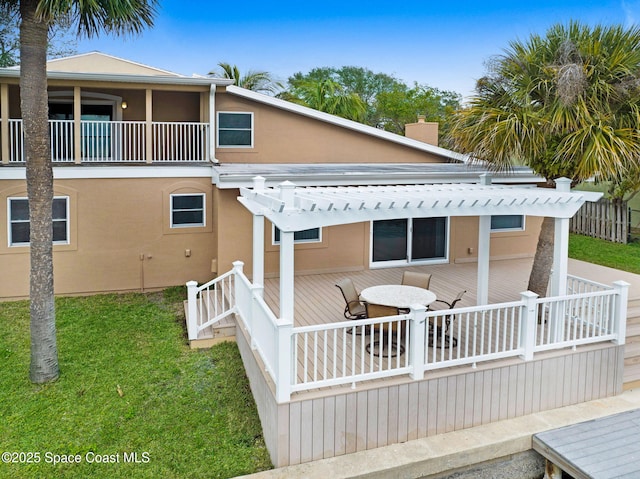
507, 223
305, 236
235, 130
187, 210
19, 227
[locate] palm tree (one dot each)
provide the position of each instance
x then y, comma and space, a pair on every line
259, 81
328, 96
116, 16
567, 104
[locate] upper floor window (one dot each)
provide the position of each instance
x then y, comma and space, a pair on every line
187, 210
507, 223
19, 226
235, 130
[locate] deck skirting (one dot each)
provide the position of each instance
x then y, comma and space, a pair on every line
341, 421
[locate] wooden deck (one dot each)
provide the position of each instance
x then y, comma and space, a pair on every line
318, 300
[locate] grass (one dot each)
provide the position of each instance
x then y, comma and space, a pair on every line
625, 257
128, 384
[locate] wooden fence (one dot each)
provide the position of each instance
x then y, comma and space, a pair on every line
605, 219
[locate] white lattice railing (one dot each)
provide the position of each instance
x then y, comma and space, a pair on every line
119, 141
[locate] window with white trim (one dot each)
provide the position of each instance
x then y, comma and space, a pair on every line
312, 235
187, 210
235, 129
20, 227
507, 223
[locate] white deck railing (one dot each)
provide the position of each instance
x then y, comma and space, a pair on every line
119, 141
209, 303
348, 352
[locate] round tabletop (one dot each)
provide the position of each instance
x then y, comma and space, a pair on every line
397, 295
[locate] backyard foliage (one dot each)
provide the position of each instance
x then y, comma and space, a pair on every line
383, 101
565, 104
129, 384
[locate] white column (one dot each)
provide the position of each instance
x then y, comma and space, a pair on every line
560, 247
258, 240
484, 247
212, 124
286, 258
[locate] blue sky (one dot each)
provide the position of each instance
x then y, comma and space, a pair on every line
443, 44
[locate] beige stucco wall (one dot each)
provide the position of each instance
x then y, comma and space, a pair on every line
285, 137
120, 238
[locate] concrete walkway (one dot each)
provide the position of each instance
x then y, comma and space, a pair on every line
455, 450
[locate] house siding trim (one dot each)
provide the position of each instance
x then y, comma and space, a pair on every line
114, 172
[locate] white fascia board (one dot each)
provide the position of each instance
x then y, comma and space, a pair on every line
344, 123
124, 78
113, 172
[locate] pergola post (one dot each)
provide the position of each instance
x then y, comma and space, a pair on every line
286, 258
258, 241
484, 247
560, 247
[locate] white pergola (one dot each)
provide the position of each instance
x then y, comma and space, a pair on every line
292, 209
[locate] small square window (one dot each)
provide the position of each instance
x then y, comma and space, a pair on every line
187, 210
19, 226
235, 130
507, 223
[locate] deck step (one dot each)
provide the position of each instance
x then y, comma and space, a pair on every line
631, 350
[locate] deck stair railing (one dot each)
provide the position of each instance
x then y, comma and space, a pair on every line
209, 303
349, 352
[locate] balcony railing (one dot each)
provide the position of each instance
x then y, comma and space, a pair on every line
118, 141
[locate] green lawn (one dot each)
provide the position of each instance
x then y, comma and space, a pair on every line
128, 384
620, 256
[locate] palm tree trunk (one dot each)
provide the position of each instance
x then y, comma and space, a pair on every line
34, 106
543, 260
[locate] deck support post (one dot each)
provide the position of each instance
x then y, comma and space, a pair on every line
192, 310
529, 317
551, 471
417, 340
484, 247
620, 316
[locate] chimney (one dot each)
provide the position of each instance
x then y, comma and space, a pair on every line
426, 131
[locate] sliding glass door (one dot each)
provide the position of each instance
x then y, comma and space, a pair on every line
414, 240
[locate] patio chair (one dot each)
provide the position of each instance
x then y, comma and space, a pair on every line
383, 343
354, 308
420, 280
434, 332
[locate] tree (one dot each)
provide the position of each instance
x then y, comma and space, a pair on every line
61, 41
328, 96
566, 105
36, 18
259, 81
389, 103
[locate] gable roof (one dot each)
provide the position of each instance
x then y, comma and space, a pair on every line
348, 124
97, 62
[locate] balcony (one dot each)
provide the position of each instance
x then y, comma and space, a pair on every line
116, 142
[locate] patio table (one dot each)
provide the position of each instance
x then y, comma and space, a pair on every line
397, 295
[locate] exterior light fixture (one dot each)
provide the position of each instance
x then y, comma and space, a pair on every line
124, 105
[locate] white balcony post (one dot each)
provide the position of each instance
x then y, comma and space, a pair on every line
529, 320
77, 125
484, 250
284, 364
212, 124
4, 123
417, 340
621, 303
192, 310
